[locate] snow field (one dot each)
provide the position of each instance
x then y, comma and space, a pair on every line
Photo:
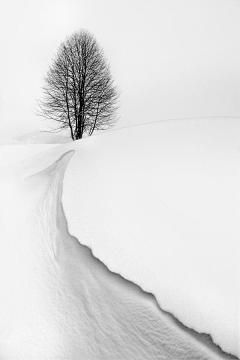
157, 204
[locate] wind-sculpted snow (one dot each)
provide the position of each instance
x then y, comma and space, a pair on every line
159, 204
59, 302
125, 196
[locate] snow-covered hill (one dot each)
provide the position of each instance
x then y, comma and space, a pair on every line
106, 242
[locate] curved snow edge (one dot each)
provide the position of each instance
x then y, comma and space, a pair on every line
205, 339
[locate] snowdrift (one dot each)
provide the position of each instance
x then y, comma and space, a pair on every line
118, 245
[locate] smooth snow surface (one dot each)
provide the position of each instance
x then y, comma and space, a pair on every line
10, 154
159, 205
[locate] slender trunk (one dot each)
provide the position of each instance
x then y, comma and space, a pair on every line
95, 121
68, 112
78, 129
80, 120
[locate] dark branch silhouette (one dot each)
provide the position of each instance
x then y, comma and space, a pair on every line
79, 93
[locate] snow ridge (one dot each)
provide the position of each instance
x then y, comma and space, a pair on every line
159, 205
62, 301
153, 315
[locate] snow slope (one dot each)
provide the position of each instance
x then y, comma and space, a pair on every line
158, 204
10, 154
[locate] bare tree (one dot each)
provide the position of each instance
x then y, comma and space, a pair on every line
79, 93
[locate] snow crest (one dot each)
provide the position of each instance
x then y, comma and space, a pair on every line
158, 205
62, 302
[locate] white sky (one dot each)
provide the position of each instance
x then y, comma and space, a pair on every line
170, 58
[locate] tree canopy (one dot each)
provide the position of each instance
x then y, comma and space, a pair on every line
79, 92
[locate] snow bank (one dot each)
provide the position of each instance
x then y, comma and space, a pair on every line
158, 204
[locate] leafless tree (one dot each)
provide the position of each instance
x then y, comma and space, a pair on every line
79, 92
